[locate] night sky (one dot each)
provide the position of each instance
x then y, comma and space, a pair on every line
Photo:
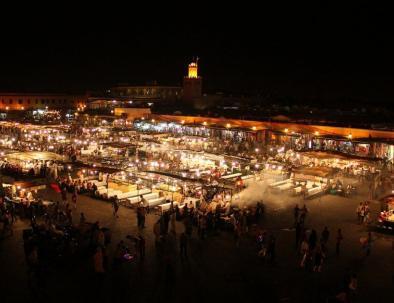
324, 52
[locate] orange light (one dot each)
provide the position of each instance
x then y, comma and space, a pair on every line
286, 130
228, 125
254, 127
316, 133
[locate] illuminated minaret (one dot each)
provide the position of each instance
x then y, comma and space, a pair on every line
192, 83
193, 70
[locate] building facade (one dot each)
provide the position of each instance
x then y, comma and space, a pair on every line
149, 93
145, 95
25, 101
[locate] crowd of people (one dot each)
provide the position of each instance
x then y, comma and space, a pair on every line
55, 238
77, 186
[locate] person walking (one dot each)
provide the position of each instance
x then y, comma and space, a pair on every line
115, 206
304, 252
318, 260
304, 246
69, 213
64, 197
304, 211
325, 235
12, 212
362, 214
145, 203
141, 212
143, 215
338, 241
74, 200
358, 211
296, 213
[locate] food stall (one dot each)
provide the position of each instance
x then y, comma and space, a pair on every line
386, 216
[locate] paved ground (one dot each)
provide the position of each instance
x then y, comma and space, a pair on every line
216, 269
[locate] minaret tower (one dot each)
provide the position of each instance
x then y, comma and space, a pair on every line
192, 83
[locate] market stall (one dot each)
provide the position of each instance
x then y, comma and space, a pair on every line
386, 216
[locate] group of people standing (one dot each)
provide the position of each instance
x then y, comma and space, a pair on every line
363, 213
311, 248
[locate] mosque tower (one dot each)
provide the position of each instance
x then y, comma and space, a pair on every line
192, 83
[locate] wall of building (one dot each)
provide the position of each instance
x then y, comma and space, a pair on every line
11, 101
148, 92
132, 113
192, 88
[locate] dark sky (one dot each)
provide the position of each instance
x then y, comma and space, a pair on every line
319, 52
